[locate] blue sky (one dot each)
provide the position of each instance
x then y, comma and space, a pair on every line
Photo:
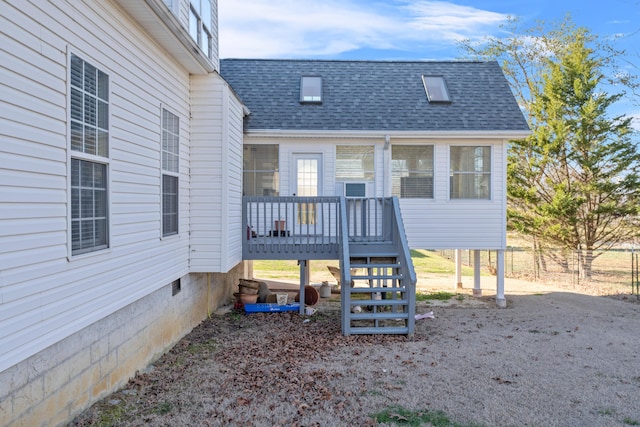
404, 29
396, 29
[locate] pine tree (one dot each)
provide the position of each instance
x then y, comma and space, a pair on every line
575, 182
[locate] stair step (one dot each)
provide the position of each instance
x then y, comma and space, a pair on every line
372, 277
389, 258
375, 289
365, 265
381, 330
378, 302
379, 316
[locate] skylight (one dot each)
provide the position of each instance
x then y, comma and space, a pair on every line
311, 89
436, 89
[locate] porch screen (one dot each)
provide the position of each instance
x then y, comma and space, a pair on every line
260, 170
412, 171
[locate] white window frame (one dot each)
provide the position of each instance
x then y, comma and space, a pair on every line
250, 171
88, 144
170, 165
363, 174
478, 176
201, 25
408, 173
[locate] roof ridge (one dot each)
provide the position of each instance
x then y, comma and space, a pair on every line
390, 61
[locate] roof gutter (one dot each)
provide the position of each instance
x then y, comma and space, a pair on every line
160, 23
384, 134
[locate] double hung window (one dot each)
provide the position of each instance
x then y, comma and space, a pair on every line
470, 172
170, 170
89, 144
200, 19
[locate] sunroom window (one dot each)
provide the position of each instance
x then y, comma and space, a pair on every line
412, 171
436, 88
470, 173
311, 89
260, 170
354, 163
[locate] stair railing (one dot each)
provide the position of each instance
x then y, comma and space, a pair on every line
345, 271
404, 256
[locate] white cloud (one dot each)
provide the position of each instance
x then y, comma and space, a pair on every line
310, 28
450, 21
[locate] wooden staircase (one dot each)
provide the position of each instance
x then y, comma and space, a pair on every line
382, 295
382, 298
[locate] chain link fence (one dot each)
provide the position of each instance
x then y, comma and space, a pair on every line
602, 272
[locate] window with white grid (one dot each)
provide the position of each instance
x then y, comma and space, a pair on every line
200, 20
89, 144
170, 170
470, 172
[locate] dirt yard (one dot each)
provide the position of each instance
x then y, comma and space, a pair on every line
553, 357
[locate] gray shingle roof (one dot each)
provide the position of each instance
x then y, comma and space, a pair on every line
373, 95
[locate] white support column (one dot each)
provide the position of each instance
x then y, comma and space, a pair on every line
304, 280
501, 301
477, 291
459, 268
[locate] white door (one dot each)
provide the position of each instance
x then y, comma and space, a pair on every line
307, 182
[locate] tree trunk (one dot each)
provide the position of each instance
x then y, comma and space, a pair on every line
586, 262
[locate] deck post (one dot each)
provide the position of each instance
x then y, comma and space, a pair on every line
501, 301
459, 268
304, 281
477, 291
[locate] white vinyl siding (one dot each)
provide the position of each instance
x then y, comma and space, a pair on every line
216, 176
46, 296
430, 223
463, 223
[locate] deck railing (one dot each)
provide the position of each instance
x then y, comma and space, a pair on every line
308, 228
311, 227
291, 227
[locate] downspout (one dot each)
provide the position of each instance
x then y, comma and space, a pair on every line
386, 169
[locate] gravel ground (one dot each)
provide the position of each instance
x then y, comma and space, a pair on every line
551, 358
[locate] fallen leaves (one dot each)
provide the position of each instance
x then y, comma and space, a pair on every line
233, 364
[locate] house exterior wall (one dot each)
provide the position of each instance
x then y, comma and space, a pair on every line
443, 223
56, 384
216, 171
105, 313
438, 223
